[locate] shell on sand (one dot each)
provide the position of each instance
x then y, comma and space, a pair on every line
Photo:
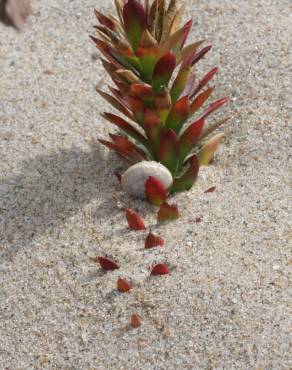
133, 180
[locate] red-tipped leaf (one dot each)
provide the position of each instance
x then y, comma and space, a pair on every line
214, 106
104, 20
179, 114
189, 138
163, 71
135, 21
125, 126
176, 41
155, 191
203, 82
200, 100
168, 149
207, 152
180, 83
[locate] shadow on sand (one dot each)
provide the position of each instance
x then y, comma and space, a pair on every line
50, 189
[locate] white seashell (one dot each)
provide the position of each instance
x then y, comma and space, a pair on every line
133, 180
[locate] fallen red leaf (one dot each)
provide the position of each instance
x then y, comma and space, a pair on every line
134, 219
160, 269
167, 213
107, 264
153, 241
210, 190
123, 285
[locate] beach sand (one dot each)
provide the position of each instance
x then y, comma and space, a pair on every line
225, 304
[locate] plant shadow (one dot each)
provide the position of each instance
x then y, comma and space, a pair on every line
49, 189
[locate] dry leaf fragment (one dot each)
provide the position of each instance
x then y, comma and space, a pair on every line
160, 269
210, 190
136, 320
123, 285
107, 264
153, 240
134, 219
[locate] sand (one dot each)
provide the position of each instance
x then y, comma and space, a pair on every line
225, 304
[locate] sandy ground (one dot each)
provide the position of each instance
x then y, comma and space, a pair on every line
225, 304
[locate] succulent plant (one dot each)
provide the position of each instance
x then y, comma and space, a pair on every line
156, 89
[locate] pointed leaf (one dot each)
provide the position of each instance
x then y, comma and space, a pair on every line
128, 148
119, 6
119, 96
163, 71
168, 150
168, 19
111, 54
214, 106
178, 114
177, 20
118, 150
176, 41
105, 49
186, 52
206, 154
135, 21
162, 103
152, 125
167, 213
109, 67
186, 181
115, 103
134, 219
190, 86
124, 285
200, 100
208, 130
137, 107
155, 191
104, 20
107, 264
200, 54
152, 241
143, 92
180, 83
148, 52
189, 138
127, 76
160, 269
205, 80
125, 126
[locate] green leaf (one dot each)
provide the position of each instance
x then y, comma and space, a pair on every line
207, 152
163, 71
168, 150
178, 114
186, 181
135, 21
